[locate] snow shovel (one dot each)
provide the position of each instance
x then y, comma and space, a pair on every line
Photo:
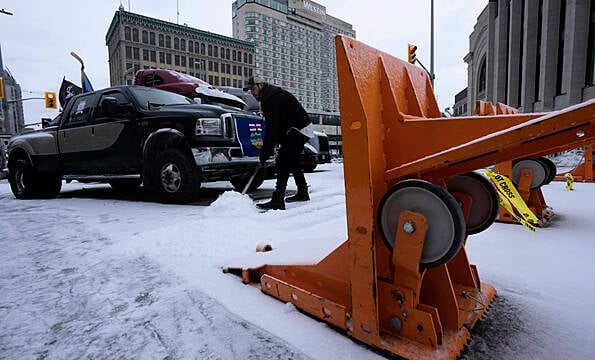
251, 179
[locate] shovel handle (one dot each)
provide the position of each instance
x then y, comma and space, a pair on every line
251, 179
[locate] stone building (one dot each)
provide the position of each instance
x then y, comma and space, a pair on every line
139, 42
534, 55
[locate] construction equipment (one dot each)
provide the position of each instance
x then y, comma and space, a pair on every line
402, 281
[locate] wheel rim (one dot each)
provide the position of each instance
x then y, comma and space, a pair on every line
540, 172
446, 226
171, 178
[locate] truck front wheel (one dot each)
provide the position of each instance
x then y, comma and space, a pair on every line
175, 177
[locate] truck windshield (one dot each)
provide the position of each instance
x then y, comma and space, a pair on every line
153, 97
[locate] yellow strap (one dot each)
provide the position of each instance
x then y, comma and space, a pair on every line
507, 189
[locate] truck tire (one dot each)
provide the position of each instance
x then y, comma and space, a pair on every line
49, 186
308, 168
175, 178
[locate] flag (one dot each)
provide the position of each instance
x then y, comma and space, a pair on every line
85, 82
67, 90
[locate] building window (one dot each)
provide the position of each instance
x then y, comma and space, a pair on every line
176, 43
481, 84
168, 59
153, 56
161, 40
128, 52
145, 37
162, 57
182, 44
210, 50
145, 54
227, 54
152, 38
234, 55
168, 41
216, 51
202, 49
135, 35
183, 61
136, 53
127, 35
249, 58
177, 60
190, 46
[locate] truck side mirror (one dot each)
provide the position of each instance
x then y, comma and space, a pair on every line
110, 106
45, 122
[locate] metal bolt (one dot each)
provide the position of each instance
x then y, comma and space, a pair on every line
409, 227
580, 133
395, 323
405, 314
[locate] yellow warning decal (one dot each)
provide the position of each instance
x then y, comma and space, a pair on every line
508, 190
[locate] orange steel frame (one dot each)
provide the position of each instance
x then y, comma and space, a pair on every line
532, 197
584, 172
392, 131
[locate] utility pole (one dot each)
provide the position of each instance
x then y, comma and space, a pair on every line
432, 43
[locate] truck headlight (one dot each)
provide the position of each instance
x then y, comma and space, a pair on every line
208, 126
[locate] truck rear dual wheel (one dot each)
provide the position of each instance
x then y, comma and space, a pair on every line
26, 183
175, 177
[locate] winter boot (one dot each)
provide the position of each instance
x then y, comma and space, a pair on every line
301, 195
276, 203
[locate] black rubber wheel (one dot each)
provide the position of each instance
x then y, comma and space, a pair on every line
239, 181
48, 185
446, 225
553, 170
308, 168
175, 177
124, 185
485, 201
540, 172
22, 179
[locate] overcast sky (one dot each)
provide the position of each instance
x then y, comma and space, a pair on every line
37, 40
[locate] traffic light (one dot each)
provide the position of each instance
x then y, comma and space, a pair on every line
50, 100
1, 88
411, 57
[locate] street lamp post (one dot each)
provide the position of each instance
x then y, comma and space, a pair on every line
432, 43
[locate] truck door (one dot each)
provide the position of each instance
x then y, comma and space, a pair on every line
117, 135
75, 135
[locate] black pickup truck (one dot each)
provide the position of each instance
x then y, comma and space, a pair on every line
128, 135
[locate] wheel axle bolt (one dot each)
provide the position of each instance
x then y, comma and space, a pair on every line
409, 227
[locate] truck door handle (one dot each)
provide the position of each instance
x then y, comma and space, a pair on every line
92, 130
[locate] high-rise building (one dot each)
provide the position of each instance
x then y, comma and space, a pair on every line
12, 119
139, 42
294, 47
535, 55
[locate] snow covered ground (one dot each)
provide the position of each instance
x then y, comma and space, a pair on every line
95, 274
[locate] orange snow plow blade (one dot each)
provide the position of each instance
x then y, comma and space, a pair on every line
402, 281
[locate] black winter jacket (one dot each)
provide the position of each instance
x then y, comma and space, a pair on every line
282, 111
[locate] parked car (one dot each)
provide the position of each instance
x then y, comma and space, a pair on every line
129, 135
186, 85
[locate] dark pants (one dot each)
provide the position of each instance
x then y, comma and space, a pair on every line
288, 160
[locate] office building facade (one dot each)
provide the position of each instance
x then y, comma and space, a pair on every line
139, 42
534, 55
12, 119
294, 48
